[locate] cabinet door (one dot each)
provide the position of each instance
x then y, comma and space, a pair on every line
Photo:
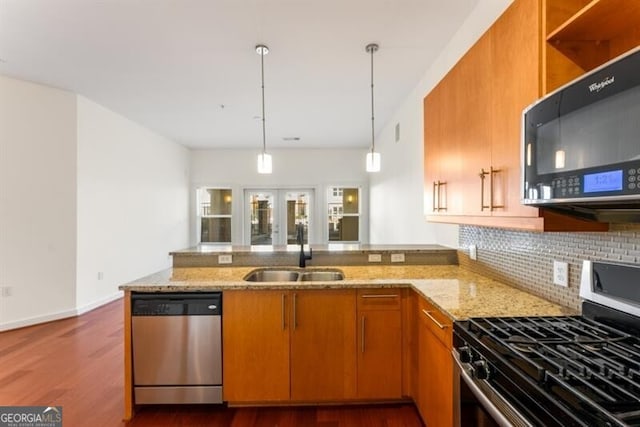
473, 95
516, 55
435, 367
432, 155
379, 344
255, 346
323, 345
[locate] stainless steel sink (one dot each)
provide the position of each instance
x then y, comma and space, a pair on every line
321, 276
284, 275
272, 276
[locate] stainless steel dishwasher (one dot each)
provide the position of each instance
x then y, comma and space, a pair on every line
177, 347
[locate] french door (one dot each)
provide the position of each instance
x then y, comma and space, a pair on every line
272, 215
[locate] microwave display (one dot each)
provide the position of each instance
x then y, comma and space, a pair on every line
603, 181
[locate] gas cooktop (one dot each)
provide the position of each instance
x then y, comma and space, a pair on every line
563, 370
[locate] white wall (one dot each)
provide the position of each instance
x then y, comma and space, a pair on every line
132, 202
292, 168
37, 202
397, 192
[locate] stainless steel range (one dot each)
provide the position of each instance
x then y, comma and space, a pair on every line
557, 371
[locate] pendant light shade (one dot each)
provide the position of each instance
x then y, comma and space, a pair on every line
265, 164
373, 159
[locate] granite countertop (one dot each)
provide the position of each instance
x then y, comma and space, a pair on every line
330, 248
457, 292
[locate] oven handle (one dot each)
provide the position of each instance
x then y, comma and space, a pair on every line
484, 401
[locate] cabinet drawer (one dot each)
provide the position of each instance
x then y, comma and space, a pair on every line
380, 299
435, 321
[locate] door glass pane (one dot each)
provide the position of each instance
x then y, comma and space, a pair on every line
297, 206
343, 212
261, 209
216, 230
215, 215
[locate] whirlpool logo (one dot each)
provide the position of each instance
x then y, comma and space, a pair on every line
597, 87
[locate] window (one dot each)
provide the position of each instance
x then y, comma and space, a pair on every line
214, 210
344, 214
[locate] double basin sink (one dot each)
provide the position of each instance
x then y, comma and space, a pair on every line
293, 275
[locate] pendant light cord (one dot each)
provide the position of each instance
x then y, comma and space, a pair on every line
373, 140
264, 138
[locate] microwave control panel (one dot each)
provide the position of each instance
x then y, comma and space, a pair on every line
616, 180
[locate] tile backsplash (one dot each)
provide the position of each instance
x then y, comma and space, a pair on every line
525, 259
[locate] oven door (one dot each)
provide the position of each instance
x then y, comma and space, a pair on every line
478, 403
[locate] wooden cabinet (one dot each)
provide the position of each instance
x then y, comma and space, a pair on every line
283, 346
580, 35
323, 353
435, 366
380, 343
472, 130
256, 346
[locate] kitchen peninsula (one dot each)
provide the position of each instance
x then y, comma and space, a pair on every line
385, 324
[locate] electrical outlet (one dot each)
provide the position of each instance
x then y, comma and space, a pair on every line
100, 275
473, 252
7, 291
560, 273
375, 257
225, 259
397, 257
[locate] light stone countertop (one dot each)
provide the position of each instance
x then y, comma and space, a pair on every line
457, 292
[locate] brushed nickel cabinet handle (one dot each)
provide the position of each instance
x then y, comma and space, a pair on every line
436, 188
283, 312
483, 175
441, 184
379, 296
363, 327
295, 317
434, 320
492, 172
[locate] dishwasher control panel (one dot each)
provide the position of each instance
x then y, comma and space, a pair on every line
176, 304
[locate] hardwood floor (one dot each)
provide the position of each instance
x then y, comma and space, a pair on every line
77, 363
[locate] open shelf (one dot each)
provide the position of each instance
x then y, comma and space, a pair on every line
598, 21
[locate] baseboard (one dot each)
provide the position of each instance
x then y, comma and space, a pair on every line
95, 304
37, 320
22, 323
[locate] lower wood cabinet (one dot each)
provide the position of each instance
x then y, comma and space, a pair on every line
255, 346
435, 366
287, 346
380, 343
323, 334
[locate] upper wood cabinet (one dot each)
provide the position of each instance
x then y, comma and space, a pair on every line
472, 122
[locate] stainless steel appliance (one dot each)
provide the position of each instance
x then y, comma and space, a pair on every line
581, 146
177, 347
558, 370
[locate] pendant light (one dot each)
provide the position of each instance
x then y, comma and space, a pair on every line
264, 160
373, 158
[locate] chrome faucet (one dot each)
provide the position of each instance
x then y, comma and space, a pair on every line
303, 257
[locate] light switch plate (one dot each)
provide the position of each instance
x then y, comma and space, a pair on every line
225, 259
375, 257
473, 252
560, 273
397, 257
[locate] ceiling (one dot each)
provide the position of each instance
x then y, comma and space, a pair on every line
188, 70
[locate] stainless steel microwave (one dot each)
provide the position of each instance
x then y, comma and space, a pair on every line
581, 145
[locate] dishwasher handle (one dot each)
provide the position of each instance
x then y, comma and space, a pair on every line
176, 304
